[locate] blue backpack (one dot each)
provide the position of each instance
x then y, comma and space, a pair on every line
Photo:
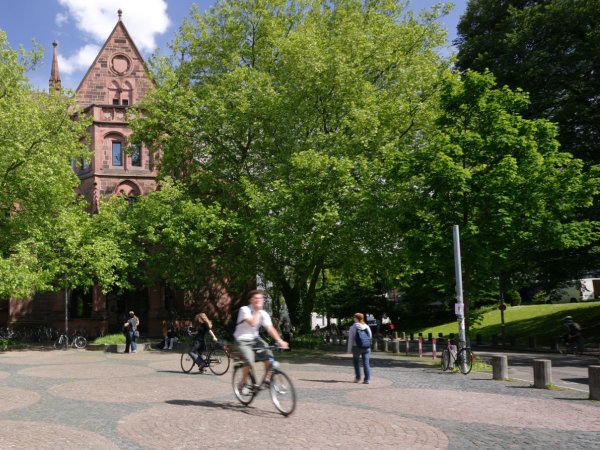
362, 338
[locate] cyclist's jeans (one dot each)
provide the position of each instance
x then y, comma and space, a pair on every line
196, 349
366, 354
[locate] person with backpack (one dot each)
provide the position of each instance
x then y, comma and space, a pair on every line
359, 344
247, 325
573, 332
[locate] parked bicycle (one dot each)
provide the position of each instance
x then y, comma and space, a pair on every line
216, 358
76, 340
462, 356
279, 385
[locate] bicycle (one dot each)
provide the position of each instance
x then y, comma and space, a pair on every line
463, 358
217, 358
76, 341
571, 344
283, 394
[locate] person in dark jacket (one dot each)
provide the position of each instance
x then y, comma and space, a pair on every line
203, 327
129, 328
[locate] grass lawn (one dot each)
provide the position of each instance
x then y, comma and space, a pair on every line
541, 321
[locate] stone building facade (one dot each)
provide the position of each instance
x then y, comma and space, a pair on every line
115, 83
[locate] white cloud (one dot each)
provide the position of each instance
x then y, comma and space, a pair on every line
61, 19
144, 19
80, 60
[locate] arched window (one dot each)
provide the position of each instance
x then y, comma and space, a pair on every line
127, 94
114, 93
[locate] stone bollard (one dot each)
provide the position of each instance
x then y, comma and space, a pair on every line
429, 337
395, 335
594, 381
384, 345
500, 367
532, 342
494, 339
396, 346
542, 373
403, 336
478, 339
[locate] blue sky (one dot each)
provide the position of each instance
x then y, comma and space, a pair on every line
81, 27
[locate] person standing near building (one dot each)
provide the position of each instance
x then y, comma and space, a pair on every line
129, 329
359, 344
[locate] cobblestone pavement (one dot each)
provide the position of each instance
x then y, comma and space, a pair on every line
80, 399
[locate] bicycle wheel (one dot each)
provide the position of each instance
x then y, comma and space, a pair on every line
445, 359
465, 360
61, 342
80, 342
187, 362
218, 361
243, 391
283, 393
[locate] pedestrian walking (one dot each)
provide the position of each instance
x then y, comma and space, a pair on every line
359, 344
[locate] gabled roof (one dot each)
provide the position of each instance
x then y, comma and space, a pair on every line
129, 47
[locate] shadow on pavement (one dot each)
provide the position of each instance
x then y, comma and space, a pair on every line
228, 406
576, 380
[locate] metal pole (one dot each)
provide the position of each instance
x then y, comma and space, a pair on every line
459, 307
66, 307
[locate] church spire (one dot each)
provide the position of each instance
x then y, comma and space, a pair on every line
54, 83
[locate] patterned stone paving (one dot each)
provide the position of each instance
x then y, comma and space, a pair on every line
260, 426
78, 399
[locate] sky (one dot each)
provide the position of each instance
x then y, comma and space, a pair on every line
82, 26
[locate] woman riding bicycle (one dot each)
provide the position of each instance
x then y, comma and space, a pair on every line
203, 326
248, 322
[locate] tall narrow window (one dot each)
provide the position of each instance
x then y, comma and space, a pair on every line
117, 155
125, 102
136, 156
84, 164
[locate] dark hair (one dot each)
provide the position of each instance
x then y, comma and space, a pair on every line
253, 292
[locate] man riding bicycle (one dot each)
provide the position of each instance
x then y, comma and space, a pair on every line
248, 322
573, 331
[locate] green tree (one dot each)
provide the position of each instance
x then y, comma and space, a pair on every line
284, 113
502, 179
38, 140
550, 49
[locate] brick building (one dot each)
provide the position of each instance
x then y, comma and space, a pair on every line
116, 81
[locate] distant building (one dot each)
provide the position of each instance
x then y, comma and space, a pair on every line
116, 81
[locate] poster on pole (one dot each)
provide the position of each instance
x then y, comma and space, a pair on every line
459, 309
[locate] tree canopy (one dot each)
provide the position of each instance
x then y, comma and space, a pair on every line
284, 114
502, 179
38, 141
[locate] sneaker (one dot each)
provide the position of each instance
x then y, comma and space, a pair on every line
135, 351
245, 390
366, 382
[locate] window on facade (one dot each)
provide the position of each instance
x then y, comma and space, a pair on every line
115, 101
125, 102
117, 155
84, 164
136, 156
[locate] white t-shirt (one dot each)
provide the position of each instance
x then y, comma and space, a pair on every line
243, 330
